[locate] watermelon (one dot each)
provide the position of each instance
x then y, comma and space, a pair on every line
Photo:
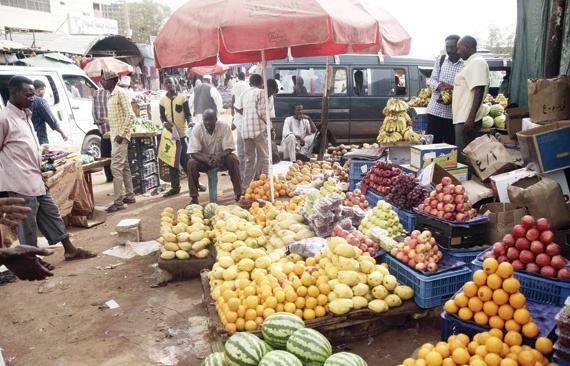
310, 346
244, 349
210, 210
215, 359
345, 359
191, 207
277, 328
280, 358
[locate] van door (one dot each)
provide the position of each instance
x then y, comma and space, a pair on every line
79, 91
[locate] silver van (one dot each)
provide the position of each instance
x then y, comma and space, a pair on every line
70, 95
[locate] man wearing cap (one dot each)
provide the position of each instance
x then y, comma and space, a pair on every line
41, 115
205, 96
121, 118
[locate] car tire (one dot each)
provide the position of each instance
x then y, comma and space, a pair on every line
92, 143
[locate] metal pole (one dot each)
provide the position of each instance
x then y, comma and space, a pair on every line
268, 120
325, 112
553, 52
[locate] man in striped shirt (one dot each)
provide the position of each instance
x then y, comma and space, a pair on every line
440, 116
100, 117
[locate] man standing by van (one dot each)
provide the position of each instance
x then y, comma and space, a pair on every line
440, 116
100, 114
205, 96
470, 87
121, 118
41, 115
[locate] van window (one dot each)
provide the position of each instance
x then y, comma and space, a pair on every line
79, 87
50, 95
378, 82
339, 82
302, 82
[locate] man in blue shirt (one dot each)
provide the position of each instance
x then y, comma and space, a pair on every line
41, 115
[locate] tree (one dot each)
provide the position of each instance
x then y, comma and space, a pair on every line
146, 18
500, 41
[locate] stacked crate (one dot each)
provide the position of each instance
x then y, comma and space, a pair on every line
143, 163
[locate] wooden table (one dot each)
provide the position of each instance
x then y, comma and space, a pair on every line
89, 168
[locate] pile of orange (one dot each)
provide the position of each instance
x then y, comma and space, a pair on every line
261, 189
493, 299
492, 348
243, 304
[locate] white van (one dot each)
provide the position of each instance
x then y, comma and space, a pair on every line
73, 110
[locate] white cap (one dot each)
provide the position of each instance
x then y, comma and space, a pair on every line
209, 77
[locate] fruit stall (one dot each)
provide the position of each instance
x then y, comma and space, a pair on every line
351, 248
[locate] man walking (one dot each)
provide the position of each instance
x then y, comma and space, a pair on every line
470, 87
205, 96
238, 91
41, 115
100, 117
121, 118
20, 161
440, 116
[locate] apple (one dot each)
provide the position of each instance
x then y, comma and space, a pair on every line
553, 249
371, 251
414, 234
405, 259
426, 234
363, 247
449, 189
420, 257
440, 214
449, 216
460, 207
543, 259
366, 254
518, 231
558, 262
421, 266
532, 234
522, 244
432, 267
548, 271
458, 199
564, 273
526, 256
518, 265
449, 207
527, 222
421, 207
537, 247
412, 254
440, 206
433, 203
433, 242
427, 209
459, 189
395, 252
502, 258
446, 181
499, 248
439, 255
513, 253
438, 188
543, 224
509, 240
532, 267
412, 263
460, 217
448, 198
490, 254
546, 236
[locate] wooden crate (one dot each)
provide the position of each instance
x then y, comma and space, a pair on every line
451, 237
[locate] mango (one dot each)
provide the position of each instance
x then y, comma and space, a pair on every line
169, 237
390, 282
378, 306
170, 246
202, 253
196, 236
340, 306
379, 292
347, 251
360, 289
343, 291
359, 302
182, 254
168, 255
185, 245
393, 300
404, 292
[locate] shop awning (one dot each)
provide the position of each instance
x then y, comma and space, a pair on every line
50, 60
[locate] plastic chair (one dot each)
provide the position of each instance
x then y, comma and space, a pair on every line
213, 184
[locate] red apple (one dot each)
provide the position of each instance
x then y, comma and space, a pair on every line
537, 247
405, 259
553, 249
543, 259
558, 262
502, 258
449, 189
459, 189
440, 206
548, 271
532, 267
427, 209
499, 248
433, 212
532, 234
432, 267
460, 207
518, 265
518, 231
366, 254
526, 256
527, 222
421, 207
459, 198
448, 198
513, 253
564, 273
438, 188
460, 217
490, 254
433, 203
395, 252
446, 181
449, 207
449, 216
546, 236
412, 263
509, 240
543, 224
421, 266
440, 214
363, 247
522, 244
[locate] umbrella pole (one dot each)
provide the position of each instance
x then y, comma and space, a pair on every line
268, 120
325, 112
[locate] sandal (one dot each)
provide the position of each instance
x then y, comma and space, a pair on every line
114, 208
81, 254
46, 265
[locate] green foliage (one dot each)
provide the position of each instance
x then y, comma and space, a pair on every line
500, 41
146, 18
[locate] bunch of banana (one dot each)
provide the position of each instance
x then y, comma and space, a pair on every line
385, 136
446, 97
395, 106
410, 135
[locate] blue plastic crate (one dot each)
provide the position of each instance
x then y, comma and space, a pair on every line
538, 289
407, 219
429, 291
466, 256
559, 361
419, 123
373, 197
353, 184
355, 171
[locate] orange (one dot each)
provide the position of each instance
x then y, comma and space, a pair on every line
420, 362
313, 291
240, 324
483, 336
490, 265
481, 351
408, 362
290, 307
470, 289
481, 318
428, 346
250, 325
494, 281
443, 349
505, 351
512, 325
511, 285
506, 312
448, 362
477, 362
494, 345
433, 358
271, 302
517, 300
505, 270
455, 344
472, 347
461, 300
490, 308
267, 312
241, 311
516, 349
233, 304
521, 316
485, 293
475, 304
526, 358
322, 300
291, 296
451, 307
300, 302
544, 345
262, 177
496, 332
309, 314
311, 302
231, 327
302, 291
231, 316
530, 329
460, 356
495, 321
324, 288
513, 338
492, 359
465, 314
320, 311
422, 353
251, 302
500, 296
480, 277
464, 338
509, 362
310, 262
539, 357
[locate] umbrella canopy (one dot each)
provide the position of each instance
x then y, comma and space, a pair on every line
217, 69
50, 60
237, 30
93, 69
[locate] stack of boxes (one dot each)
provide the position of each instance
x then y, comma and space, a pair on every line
445, 155
143, 163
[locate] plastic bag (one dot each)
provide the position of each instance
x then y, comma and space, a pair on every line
307, 247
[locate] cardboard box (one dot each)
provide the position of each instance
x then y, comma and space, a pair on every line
549, 99
478, 191
546, 148
443, 154
562, 177
514, 120
515, 153
461, 171
502, 218
501, 182
399, 155
527, 124
432, 175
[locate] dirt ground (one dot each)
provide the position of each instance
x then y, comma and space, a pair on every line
59, 321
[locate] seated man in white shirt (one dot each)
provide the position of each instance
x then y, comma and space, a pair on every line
298, 134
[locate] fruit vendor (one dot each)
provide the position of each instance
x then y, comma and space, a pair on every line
469, 88
211, 146
298, 134
175, 112
440, 115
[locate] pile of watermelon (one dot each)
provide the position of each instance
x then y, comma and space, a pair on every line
287, 343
